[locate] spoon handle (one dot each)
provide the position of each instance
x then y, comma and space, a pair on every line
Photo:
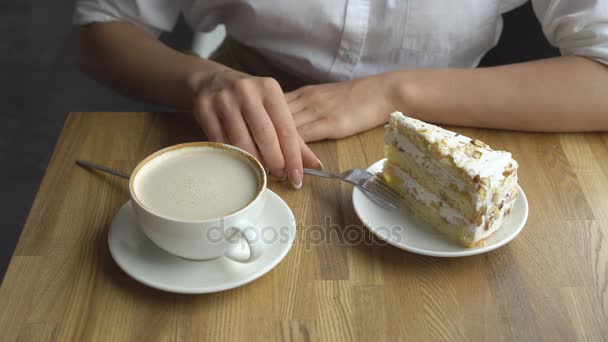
320, 173
91, 165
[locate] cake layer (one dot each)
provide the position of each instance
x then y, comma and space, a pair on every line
431, 181
431, 216
414, 147
405, 184
421, 204
445, 218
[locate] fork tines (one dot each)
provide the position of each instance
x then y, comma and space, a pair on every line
378, 188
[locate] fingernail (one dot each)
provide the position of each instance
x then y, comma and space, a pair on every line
296, 178
319, 165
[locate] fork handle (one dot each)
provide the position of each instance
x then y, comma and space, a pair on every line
320, 173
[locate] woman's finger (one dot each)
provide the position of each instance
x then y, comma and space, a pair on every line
285, 128
234, 124
315, 131
264, 134
309, 159
208, 121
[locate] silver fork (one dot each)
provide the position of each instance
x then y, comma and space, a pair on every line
367, 182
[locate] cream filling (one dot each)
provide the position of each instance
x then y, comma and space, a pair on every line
451, 215
421, 194
433, 167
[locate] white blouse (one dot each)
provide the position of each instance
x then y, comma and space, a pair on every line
330, 40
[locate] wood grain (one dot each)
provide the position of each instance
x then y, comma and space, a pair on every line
551, 283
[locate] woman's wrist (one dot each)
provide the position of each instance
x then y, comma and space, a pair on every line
399, 92
203, 81
211, 76
406, 91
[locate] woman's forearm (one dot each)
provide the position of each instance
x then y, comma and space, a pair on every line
557, 94
132, 62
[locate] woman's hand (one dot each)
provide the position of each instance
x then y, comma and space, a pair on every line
337, 110
251, 113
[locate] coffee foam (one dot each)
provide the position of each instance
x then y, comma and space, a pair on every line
197, 182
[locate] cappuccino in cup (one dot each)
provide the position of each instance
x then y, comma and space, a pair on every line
190, 199
196, 183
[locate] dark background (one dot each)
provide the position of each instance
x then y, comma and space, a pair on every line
40, 85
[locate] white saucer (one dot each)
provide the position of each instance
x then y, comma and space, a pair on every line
401, 229
145, 262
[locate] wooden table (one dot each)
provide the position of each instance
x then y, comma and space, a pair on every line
550, 283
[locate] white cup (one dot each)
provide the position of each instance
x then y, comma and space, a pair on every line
205, 239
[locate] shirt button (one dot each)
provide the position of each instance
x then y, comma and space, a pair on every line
349, 57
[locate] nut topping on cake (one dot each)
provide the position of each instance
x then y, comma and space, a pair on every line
495, 198
483, 210
476, 154
485, 181
479, 220
514, 192
478, 143
488, 224
508, 170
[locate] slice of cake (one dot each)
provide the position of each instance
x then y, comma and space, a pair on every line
459, 185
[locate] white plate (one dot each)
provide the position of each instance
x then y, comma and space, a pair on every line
400, 228
145, 262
